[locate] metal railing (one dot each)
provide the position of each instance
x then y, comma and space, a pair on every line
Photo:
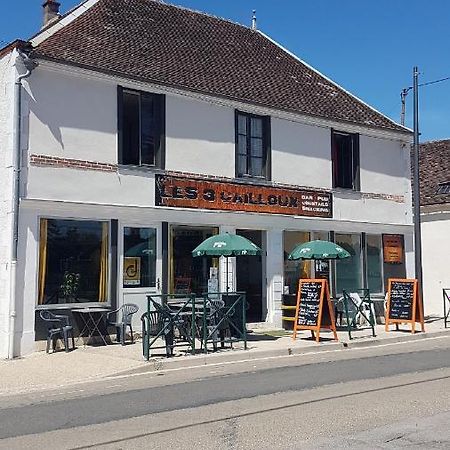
182, 320
228, 319
355, 308
446, 298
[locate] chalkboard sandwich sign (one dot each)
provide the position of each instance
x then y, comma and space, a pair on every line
314, 310
404, 304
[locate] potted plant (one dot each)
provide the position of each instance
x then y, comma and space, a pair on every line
70, 286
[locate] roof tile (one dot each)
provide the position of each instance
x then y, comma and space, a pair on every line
164, 44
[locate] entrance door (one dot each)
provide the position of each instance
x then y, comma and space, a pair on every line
189, 274
140, 266
249, 276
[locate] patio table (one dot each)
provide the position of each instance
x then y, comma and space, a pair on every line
91, 317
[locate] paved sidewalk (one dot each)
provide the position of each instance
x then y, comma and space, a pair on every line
41, 371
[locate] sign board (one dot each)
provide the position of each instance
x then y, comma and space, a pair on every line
131, 271
404, 304
314, 310
183, 192
393, 248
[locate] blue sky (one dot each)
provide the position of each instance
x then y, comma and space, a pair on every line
368, 47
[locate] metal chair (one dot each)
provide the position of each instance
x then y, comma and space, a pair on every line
57, 325
127, 310
153, 325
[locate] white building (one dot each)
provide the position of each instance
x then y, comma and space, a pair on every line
435, 218
147, 127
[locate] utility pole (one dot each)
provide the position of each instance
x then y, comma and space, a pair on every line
416, 185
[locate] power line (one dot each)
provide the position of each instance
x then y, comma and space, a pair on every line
434, 82
405, 91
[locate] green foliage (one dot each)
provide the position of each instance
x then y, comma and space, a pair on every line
70, 284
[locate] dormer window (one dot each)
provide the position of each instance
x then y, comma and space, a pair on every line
443, 188
141, 122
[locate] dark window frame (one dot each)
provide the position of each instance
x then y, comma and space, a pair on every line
266, 145
159, 103
443, 188
355, 163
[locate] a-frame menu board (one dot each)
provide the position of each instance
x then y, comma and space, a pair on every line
404, 304
314, 310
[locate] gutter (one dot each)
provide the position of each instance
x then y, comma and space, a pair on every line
30, 65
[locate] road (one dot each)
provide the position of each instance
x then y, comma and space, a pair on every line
386, 396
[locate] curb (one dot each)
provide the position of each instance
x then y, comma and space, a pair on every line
236, 356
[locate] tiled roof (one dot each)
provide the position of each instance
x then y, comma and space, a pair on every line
434, 166
164, 44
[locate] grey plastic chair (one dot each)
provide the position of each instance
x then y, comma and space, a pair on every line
57, 325
152, 325
213, 318
124, 316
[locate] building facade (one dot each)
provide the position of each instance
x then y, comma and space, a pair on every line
135, 146
435, 222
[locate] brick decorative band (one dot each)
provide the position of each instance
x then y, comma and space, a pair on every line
54, 161
392, 198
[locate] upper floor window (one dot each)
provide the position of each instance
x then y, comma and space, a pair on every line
345, 160
141, 128
252, 146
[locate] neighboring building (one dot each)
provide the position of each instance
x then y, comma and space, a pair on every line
148, 127
434, 166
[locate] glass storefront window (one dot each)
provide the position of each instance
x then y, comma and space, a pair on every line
349, 270
73, 261
139, 260
188, 274
294, 270
374, 265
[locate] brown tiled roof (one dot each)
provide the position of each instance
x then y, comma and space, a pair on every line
160, 43
434, 166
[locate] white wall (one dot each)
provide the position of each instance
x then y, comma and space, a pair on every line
72, 117
384, 165
200, 137
301, 154
6, 116
76, 117
78, 185
435, 260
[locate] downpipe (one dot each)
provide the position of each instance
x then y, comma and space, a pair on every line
30, 65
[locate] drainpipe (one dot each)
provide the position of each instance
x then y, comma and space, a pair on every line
17, 164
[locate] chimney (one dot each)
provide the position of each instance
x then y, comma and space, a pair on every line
254, 20
51, 11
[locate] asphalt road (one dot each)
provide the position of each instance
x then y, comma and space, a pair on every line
372, 398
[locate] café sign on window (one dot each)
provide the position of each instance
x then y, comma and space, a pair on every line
183, 192
132, 271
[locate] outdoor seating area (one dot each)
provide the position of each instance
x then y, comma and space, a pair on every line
194, 323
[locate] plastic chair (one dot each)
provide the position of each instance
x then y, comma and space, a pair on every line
152, 325
213, 318
57, 325
121, 323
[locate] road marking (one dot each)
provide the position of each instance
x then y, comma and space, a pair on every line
268, 358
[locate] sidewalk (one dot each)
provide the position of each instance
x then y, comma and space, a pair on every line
40, 371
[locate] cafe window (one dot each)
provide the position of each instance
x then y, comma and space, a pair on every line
349, 270
139, 260
73, 261
374, 260
294, 270
252, 146
141, 128
345, 160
